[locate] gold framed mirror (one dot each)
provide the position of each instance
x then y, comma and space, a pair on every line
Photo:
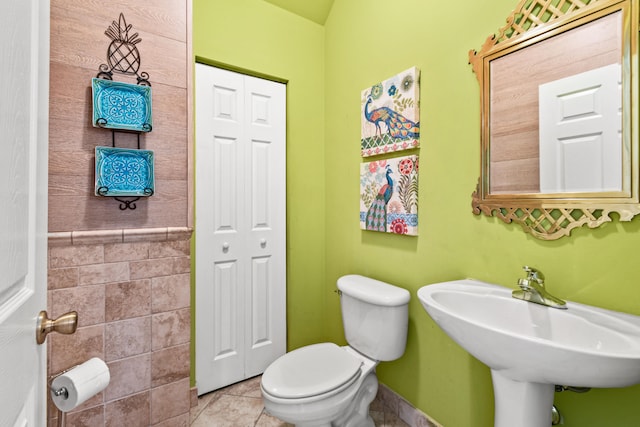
559, 116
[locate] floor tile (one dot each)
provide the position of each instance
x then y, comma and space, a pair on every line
240, 405
267, 420
203, 401
230, 411
248, 388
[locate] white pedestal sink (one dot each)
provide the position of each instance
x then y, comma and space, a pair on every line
530, 347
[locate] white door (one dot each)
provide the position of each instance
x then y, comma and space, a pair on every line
580, 132
240, 226
24, 83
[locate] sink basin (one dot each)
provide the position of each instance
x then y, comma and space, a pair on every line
530, 348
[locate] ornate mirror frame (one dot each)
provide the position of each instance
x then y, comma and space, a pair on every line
552, 216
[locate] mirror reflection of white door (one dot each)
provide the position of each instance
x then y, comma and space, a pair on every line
24, 83
581, 132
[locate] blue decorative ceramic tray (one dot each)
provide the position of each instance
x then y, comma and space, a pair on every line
124, 172
118, 105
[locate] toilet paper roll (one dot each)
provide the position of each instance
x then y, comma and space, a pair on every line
81, 383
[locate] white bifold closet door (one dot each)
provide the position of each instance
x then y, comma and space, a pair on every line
240, 234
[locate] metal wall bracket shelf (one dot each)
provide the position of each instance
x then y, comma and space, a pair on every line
123, 57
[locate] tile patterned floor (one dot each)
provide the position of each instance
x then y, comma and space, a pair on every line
240, 405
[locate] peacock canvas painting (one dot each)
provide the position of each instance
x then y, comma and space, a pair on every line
390, 113
389, 195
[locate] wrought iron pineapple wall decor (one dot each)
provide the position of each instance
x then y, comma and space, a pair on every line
122, 54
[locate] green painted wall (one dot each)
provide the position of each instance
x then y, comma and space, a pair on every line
262, 39
363, 42
368, 41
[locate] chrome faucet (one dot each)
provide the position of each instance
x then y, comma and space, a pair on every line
532, 289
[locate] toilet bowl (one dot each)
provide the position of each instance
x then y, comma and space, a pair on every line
328, 385
316, 384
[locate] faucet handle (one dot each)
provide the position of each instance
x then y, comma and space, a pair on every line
534, 274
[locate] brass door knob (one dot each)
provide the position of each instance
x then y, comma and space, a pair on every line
65, 324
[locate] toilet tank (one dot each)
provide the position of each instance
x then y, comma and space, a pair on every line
375, 316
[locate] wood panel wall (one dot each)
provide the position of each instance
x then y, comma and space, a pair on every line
78, 47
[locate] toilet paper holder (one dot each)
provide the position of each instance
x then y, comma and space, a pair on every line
75, 385
62, 391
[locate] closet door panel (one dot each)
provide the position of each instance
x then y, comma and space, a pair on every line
240, 229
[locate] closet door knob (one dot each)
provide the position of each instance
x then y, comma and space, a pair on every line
225, 246
263, 243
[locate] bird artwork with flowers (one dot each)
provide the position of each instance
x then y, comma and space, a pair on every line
391, 114
389, 195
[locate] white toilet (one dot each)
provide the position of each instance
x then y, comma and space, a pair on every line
327, 385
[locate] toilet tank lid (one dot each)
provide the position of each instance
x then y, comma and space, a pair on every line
373, 291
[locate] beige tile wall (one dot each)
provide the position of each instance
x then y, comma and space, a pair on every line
132, 293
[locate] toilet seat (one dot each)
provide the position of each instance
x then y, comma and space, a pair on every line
311, 371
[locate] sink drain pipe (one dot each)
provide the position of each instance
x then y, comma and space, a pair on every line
556, 417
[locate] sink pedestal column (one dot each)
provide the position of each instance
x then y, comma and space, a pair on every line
522, 404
